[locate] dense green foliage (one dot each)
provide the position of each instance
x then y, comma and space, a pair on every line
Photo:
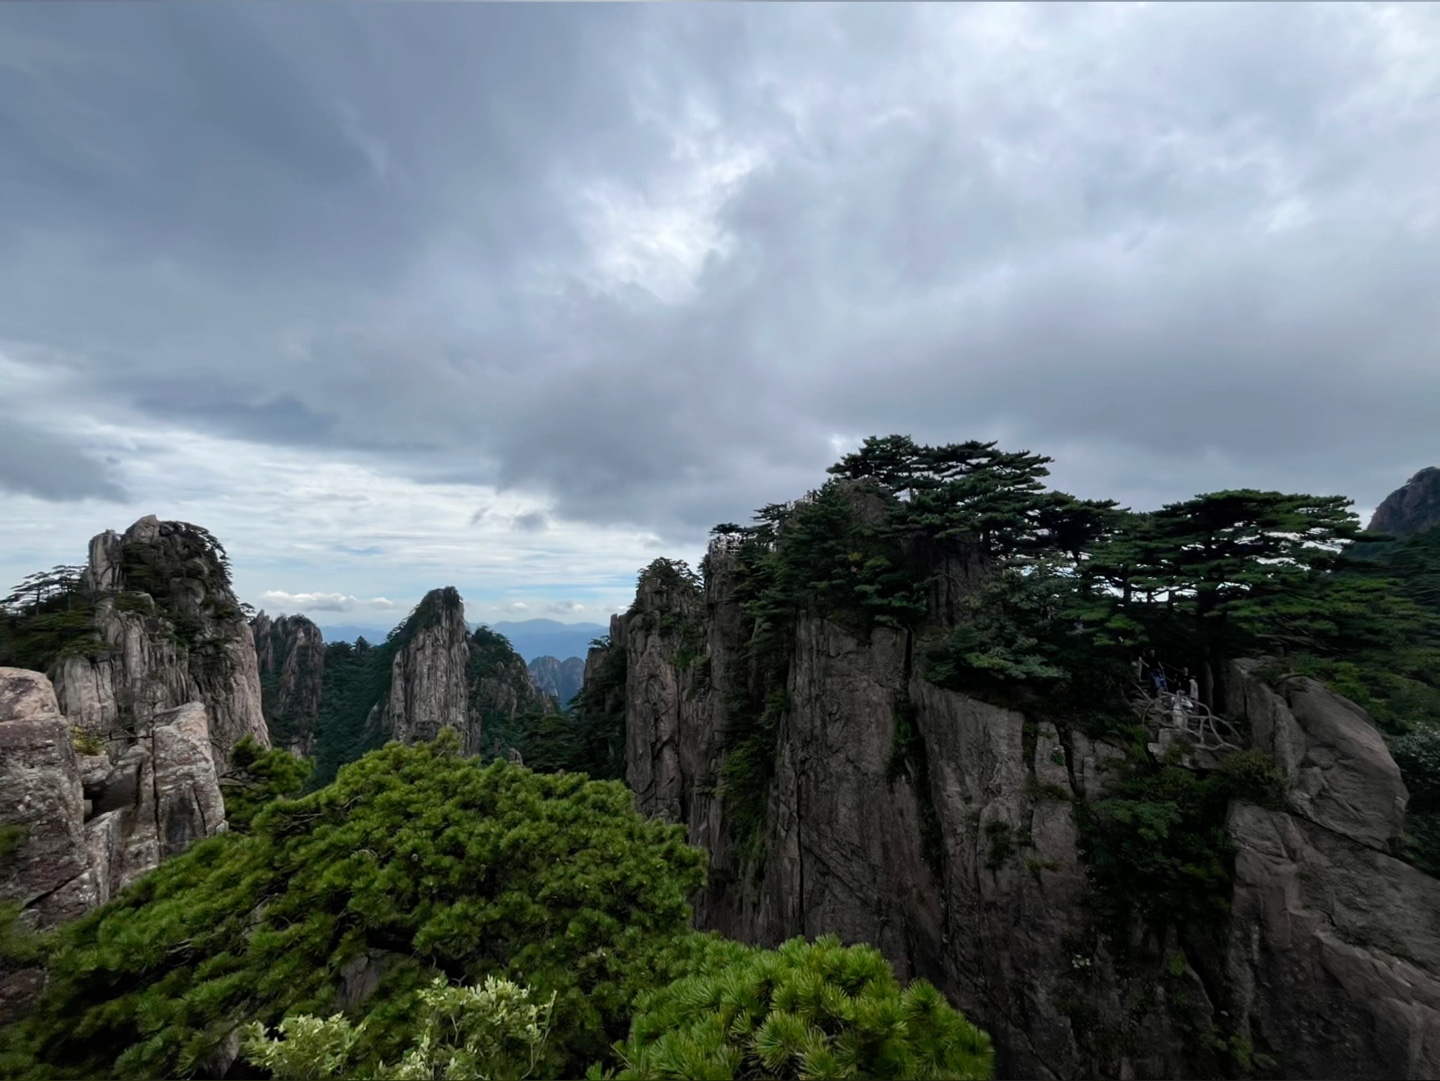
48, 615
591, 739
490, 1032
257, 777
806, 1010
356, 679
1157, 845
415, 862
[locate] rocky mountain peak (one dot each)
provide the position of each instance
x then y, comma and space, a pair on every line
428, 685
290, 651
562, 679
1412, 508
167, 630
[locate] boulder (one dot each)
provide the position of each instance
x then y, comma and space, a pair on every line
1335, 954
1336, 766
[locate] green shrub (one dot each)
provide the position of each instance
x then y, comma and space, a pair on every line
485, 1033
1418, 755
1158, 847
257, 778
415, 862
87, 741
805, 1010
20, 947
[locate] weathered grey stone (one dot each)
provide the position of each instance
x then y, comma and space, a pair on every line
428, 686
562, 679
1330, 948
40, 796
188, 804
434, 685
26, 696
291, 650
1335, 955
1411, 508
146, 667
1339, 772
160, 796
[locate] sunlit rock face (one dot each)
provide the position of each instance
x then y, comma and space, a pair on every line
965, 865
169, 631
1412, 508
428, 687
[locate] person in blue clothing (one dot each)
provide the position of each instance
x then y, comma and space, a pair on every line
1157, 676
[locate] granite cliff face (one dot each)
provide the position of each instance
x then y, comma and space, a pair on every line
169, 631
1412, 508
428, 685
443, 676
560, 679
945, 830
86, 825
290, 651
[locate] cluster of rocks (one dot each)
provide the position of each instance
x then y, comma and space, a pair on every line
90, 824
81, 827
177, 636
111, 761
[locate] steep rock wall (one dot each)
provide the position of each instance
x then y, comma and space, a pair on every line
90, 825
943, 829
443, 676
171, 632
1411, 508
290, 651
560, 679
429, 689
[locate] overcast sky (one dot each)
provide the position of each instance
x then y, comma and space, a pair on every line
516, 298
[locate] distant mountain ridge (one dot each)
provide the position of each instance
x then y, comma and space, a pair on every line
532, 638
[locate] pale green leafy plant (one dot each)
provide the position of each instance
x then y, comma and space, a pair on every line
492, 1032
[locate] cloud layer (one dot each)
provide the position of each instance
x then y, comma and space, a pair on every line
593, 278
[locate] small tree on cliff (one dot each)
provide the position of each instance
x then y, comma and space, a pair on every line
1235, 570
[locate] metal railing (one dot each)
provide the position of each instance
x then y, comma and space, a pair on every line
1174, 718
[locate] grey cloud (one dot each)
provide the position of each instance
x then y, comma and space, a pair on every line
40, 463
1192, 244
282, 419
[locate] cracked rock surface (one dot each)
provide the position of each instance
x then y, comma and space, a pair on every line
83, 827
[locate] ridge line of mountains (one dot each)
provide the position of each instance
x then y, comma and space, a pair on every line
944, 827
